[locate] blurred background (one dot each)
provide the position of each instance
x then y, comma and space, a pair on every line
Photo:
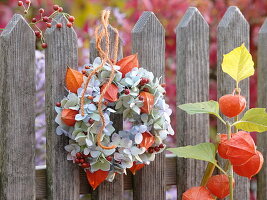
125, 13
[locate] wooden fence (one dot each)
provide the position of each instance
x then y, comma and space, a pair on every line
63, 180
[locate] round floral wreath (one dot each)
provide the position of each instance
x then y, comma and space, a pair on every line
133, 93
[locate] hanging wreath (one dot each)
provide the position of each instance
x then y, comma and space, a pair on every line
106, 88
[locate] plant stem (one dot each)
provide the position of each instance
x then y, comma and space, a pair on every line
208, 172
231, 173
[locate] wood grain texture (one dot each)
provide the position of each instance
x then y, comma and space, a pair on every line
192, 53
62, 175
262, 103
41, 192
17, 92
107, 190
149, 42
233, 30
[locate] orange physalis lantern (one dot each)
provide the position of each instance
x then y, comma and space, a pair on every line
74, 80
127, 64
96, 178
148, 100
136, 167
222, 147
68, 116
251, 167
240, 148
111, 93
219, 185
197, 193
148, 140
232, 105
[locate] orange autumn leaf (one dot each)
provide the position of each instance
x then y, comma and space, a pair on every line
74, 80
136, 167
111, 93
148, 140
127, 64
68, 116
148, 100
96, 178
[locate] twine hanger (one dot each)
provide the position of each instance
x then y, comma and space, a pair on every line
101, 32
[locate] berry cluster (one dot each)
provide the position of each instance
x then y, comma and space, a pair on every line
82, 160
155, 149
47, 19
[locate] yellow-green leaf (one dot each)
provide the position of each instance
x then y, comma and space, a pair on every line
255, 119
202, 151
238, 63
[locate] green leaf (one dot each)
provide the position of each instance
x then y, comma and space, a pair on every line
254, 119
203, 151
238, 63
210, 107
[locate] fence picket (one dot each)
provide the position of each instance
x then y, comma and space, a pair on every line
149, 42
192, 54
262, 102
62, 175
233, 30
114, 190
17, 92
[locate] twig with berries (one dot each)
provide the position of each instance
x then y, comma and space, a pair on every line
46, 19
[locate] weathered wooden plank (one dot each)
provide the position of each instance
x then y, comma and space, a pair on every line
233, 30
62, 175
85, 188
149, 42
114, 190
17, 92
262, 102
192, 54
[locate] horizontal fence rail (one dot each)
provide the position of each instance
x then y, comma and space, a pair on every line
60, 178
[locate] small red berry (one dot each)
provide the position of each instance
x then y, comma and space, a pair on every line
45, 19
90, 97
87, 67
78, 155
109, 158
105, 103
85, 165
20, 3
77, 161
34, 20
69, 24
60, 9
44, 45
127, 91
59, 25
28, 2
84, 71
82, 160
41, 10
146, 90
150, 150
55, 7
71, 19
58, 104
91, 121
161, 146
48, 25
141, 98
37, 33
157, 149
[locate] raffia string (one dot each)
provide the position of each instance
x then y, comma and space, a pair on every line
100, 33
